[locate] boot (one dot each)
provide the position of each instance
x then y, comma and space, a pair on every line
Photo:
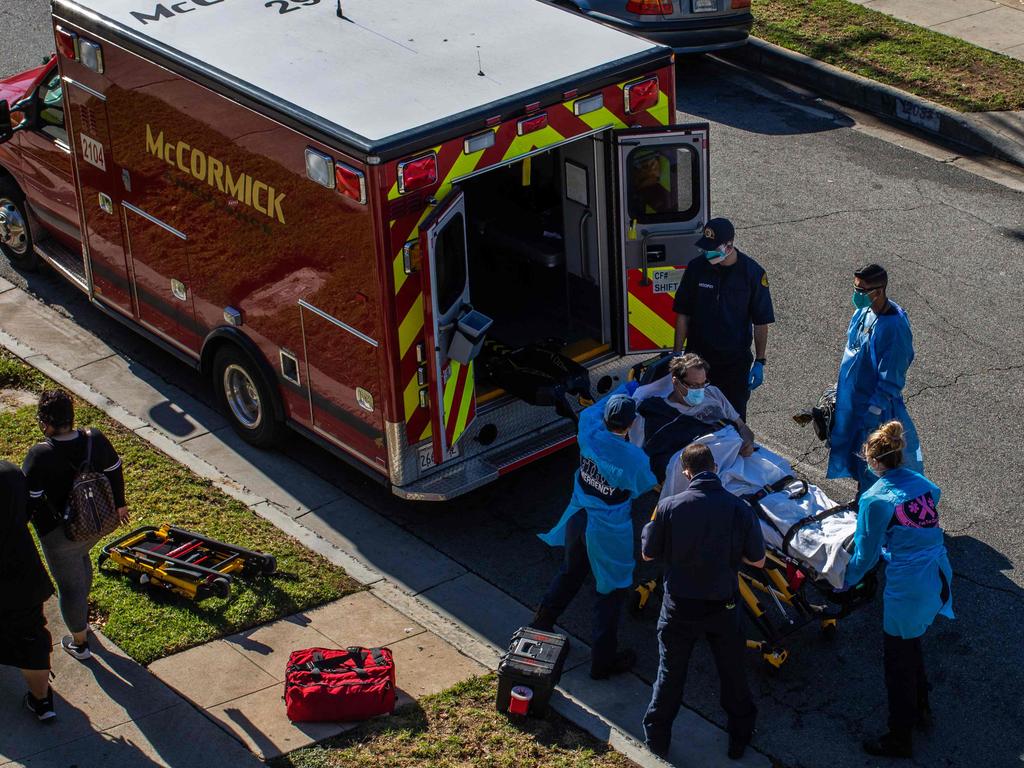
890, 745
623, 661
544, 620
737, 746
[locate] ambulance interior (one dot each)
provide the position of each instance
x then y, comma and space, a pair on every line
535, 269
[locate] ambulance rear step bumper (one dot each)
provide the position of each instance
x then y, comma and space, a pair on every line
467, 475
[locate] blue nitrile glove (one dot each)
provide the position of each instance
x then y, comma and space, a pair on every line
756, 376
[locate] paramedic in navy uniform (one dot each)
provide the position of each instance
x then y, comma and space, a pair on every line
701, 536
723, 303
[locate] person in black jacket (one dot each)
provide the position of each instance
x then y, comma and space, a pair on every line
701, 535
50, 468
24, 587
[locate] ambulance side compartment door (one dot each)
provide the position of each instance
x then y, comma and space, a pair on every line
451, 388
664, 198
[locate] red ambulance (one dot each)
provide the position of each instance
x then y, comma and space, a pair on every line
412, 232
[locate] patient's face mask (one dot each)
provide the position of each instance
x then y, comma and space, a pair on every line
694, 396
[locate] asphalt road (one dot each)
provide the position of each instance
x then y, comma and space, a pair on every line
812, 197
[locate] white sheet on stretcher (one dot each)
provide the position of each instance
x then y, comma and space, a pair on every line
818, 545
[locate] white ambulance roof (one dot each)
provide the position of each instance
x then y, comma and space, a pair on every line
387, 68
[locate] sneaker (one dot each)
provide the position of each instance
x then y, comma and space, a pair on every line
623, 662
890, 745
79, 651
41, 708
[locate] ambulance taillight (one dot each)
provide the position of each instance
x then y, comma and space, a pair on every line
67, 43
350, 182
417, 173
641, 95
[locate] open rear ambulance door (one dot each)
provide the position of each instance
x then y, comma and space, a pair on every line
451, 388
664, 200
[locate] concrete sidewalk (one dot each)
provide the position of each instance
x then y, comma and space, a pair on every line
994, 24
435, 592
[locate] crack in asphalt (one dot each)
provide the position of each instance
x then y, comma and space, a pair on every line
819, 216
1016, 592
965, 375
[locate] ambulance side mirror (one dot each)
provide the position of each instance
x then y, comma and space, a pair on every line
6, 129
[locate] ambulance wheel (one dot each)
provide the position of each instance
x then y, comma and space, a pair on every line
15, 232
245, 397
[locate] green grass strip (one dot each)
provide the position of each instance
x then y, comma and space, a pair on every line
459, 727
875, 45
160, 490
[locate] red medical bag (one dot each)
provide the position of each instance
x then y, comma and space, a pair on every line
322, 684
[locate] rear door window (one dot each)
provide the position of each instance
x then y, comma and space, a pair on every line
662, 183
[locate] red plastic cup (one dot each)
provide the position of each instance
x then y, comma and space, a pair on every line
519, 701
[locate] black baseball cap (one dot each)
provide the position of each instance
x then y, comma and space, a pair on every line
619, 411
716, 232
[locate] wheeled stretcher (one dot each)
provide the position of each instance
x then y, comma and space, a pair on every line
183, 562
808, 538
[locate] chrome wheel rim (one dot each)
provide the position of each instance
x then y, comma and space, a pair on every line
13, 230
242, 396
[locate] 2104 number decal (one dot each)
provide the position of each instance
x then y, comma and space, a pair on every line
287, 6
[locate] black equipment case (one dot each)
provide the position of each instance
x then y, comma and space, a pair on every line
534, 659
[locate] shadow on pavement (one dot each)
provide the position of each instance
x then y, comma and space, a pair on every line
768, 108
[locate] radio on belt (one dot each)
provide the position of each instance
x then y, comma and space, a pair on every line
530, 670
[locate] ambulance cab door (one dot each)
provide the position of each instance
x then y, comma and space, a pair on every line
664, 200
450, 388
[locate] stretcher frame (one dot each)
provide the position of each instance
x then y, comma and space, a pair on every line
197, 568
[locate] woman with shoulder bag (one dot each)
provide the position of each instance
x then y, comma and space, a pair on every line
24, 587
52, 467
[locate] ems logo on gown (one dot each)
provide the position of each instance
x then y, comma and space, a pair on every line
921, 512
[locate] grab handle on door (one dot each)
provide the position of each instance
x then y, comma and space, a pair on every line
585, 247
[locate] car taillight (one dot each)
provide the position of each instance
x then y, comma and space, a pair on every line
350, 182
649, 7
641, 95
740, 4
67, 43
417, 173
531, 124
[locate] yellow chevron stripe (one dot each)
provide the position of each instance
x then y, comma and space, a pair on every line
660, 110
411, 326
449, 387
602, 118
650, 323
411, 398
467, 398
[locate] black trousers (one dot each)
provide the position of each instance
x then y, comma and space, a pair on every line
676, 638
731, 374
905, 682
604, 634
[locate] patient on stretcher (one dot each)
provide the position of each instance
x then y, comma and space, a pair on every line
676, 409
797, 519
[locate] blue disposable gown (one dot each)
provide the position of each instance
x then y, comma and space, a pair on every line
609, 532
879, 350
915, 556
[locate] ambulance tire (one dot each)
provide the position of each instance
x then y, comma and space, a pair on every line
246, 398
15, 231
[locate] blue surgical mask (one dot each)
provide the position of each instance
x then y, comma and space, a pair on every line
695, 396
861, 300
715, 257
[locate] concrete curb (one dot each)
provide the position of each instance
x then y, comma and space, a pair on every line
966, 130
462, 638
